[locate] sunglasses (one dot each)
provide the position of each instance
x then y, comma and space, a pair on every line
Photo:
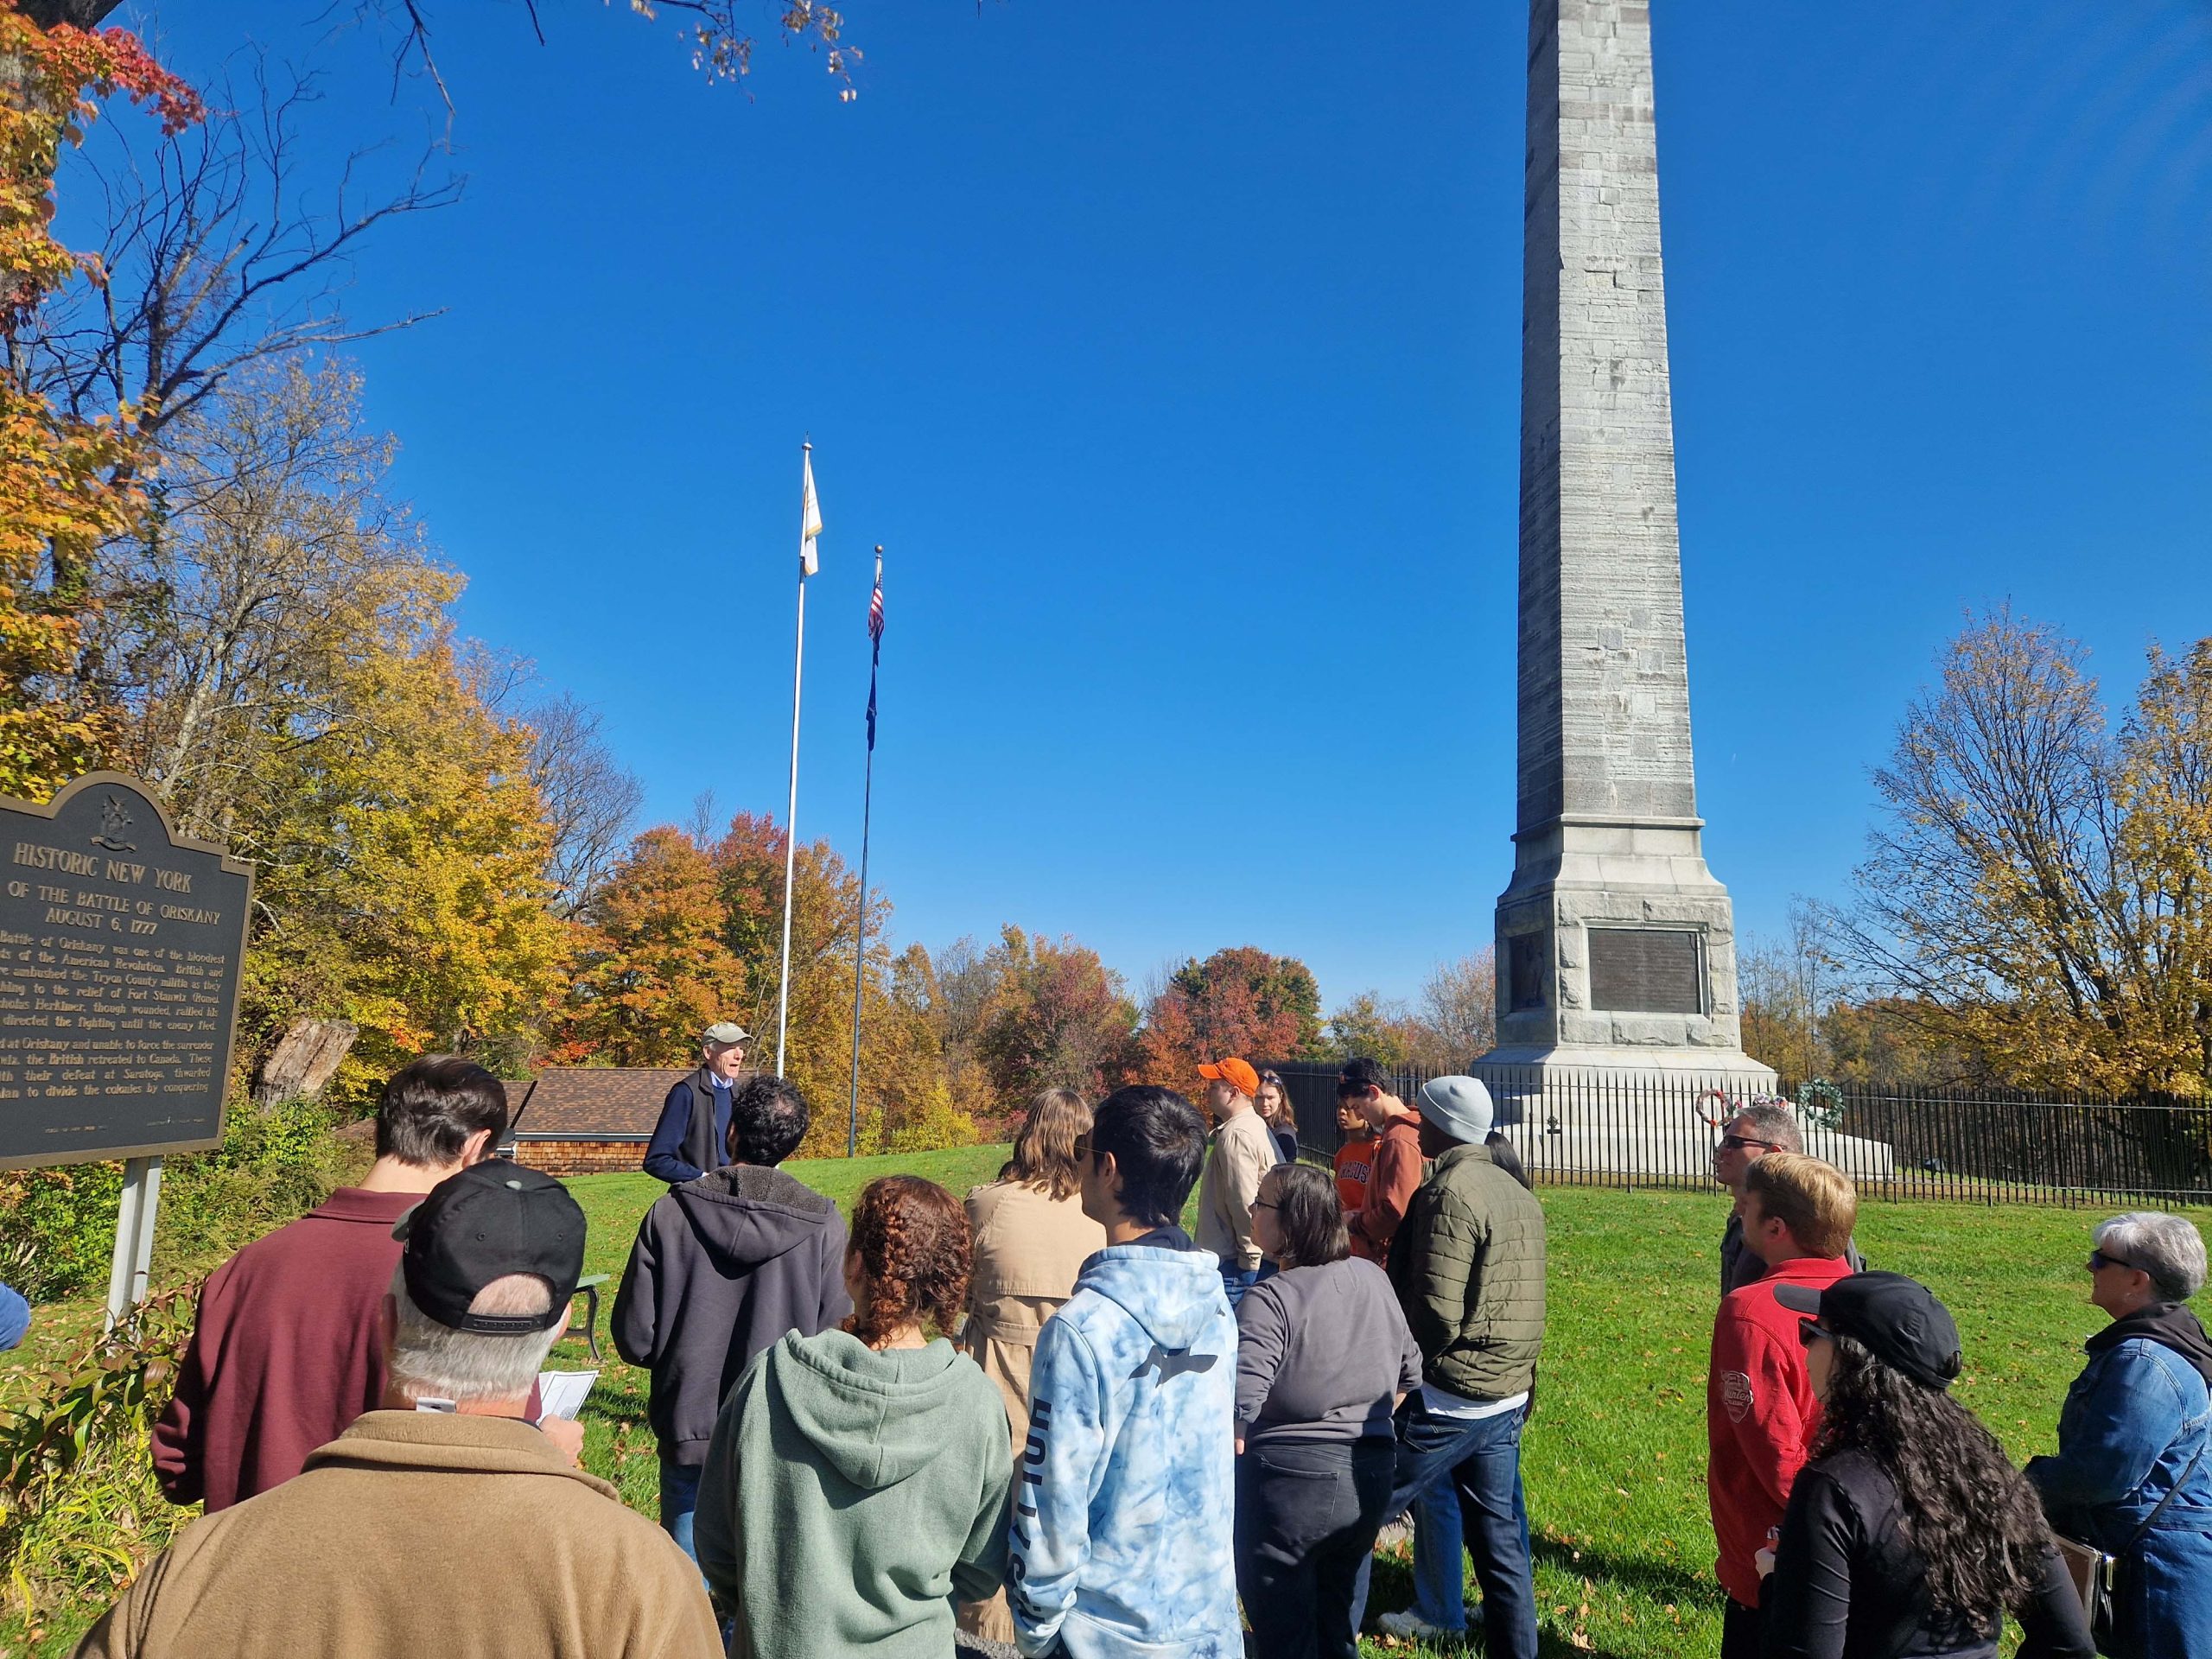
2099, 1261
1809, 1331
1083, 1146
1737, 1142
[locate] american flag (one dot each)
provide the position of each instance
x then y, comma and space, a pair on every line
875, 654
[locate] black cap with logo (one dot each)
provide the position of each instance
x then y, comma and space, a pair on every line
1896, 1320
491, 1220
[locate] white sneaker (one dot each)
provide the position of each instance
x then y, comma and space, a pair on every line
1411, 1626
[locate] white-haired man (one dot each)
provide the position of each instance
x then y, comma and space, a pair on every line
1763, 1127
694, 1125
446, 1522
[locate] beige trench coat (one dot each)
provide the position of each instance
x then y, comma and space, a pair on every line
1029, 1247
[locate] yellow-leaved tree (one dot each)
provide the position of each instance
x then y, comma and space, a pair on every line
403, 887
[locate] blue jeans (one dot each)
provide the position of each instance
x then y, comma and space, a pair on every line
679, 1501
1439, 1561
1483, 1458
1236, 1280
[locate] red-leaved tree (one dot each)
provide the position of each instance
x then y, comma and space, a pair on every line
1241, 1002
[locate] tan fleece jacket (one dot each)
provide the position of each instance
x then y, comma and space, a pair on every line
1242, 1152
419, 1533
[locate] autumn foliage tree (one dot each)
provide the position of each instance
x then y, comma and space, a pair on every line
685, 932
1058, 1017
1452, 1023
1240, 1001
403, 852
2039, 890
652, 971
67, 484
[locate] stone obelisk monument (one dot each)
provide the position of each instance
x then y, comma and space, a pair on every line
1615, 944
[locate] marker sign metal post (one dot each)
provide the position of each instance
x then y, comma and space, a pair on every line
120, 949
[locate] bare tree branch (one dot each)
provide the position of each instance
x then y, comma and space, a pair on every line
590, 799
212, 263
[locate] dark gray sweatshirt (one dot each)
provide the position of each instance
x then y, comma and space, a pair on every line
1321, 1354
723, 1266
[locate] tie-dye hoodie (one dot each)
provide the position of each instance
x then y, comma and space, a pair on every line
1125, 1493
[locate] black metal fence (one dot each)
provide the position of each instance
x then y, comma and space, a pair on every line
1625, 1128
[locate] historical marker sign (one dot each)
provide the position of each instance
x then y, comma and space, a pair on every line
120, 951
1645, 970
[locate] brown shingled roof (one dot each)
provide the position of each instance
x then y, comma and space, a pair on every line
592, 1102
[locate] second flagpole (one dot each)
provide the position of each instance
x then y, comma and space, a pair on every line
867, 812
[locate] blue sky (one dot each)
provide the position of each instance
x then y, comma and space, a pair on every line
1172, 351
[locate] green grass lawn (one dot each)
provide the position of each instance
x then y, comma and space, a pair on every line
1615, 1457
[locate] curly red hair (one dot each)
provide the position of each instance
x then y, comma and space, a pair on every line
915, 1255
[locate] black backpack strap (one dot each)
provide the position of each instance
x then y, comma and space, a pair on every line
2150, 1519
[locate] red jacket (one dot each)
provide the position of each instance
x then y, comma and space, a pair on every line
1759, 1417
287, 1351
1394, 1171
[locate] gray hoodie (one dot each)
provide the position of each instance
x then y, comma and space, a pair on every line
724, 1266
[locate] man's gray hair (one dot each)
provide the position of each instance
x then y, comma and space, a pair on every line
2168, 1248
429, 1361
1770, 1119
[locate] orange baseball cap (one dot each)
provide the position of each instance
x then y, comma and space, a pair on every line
1237, 1075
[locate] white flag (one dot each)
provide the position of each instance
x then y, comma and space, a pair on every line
809, 524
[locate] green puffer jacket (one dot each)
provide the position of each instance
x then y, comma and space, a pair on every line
1469, 1267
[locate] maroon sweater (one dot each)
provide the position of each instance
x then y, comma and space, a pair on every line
287, 1351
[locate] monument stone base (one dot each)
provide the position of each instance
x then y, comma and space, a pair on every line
1617, 949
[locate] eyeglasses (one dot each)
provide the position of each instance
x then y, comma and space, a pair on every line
2099, 1261
1809, 1333
1737, 1142
1083, 1146
1261, 1204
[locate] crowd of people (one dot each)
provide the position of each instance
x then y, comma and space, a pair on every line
1861, 1512
1050, 1421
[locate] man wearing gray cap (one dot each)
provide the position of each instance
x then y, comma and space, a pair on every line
1468, 1264
694, 1125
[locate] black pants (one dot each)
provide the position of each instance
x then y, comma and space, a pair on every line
1742, 1629
1307, 1512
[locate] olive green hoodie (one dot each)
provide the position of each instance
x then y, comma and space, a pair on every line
848, 1495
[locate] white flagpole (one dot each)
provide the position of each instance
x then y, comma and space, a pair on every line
808, 529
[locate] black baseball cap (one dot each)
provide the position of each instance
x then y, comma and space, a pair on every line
490, 1220
1359, 1074
1896, 1319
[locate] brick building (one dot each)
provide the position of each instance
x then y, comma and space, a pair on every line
588, 1120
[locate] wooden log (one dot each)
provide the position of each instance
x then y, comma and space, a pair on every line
304, 1061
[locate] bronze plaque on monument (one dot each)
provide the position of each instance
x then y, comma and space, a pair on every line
120, 951
1645, 970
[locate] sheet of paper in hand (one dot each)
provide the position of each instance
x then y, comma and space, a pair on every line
561, 1394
